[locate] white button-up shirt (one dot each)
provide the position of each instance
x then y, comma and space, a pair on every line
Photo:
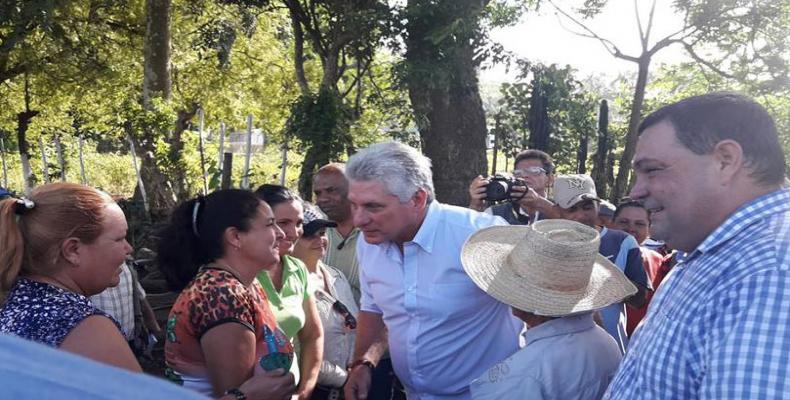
443, 330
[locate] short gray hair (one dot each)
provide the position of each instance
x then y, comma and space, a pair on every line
402, 169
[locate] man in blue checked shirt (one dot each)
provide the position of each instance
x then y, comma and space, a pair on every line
710, 169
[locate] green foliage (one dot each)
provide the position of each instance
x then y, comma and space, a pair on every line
320, 120
571, 111
674, 83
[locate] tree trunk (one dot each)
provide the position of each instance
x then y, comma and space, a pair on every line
581, 154
600, 158
22, 123
447, 106
538, 118
156, 78
301, 78
316, 157
175, 154
156, 83
621, 184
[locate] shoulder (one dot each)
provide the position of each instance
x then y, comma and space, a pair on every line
296, 265
465, 218
614, 236
45, 314
214, 287
333, 272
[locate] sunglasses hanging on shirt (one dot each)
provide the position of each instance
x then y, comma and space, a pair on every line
348, 319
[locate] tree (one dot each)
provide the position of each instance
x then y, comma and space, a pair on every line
599, 170
344, 37
555, 108
748, 33
442, 45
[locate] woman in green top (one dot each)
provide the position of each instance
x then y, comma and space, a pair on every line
287, 287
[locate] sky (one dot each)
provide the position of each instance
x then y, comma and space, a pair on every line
541, 36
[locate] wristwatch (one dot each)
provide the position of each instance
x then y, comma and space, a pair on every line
359, 362
237, 393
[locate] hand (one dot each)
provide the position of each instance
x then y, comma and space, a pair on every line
358, 384
276, 385
525, 195
477, 193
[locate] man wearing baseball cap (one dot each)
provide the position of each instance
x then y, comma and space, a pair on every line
552, 276
578, 201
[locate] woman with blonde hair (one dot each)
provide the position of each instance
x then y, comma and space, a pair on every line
64, 244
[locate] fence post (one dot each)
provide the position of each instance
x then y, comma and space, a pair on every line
284, 164
139, 177
245, 179
61, 160
82, 162
44, 162
227, 169
202, 153
5, 168
221, 145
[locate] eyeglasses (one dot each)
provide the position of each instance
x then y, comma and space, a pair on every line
348, 319
530, 171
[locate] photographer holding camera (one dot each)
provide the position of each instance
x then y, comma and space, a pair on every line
525, 192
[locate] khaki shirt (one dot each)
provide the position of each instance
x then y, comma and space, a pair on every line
345, 258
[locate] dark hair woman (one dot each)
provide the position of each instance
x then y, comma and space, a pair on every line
221, 325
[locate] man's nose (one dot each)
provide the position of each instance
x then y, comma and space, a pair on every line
359, 217
639, 191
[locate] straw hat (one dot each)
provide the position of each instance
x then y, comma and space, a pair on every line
550, 268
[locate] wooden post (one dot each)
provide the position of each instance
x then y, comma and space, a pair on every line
245, 179
44, 162
202, 152
284, 164
61, 160
221, 145
497, 127
5, 168
83, 179
227, 170
139, 177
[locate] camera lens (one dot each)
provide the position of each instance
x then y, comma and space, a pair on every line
497, 190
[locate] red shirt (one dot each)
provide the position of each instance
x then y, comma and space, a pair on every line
657, 267
216, 297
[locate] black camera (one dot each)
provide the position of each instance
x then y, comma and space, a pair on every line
499, 187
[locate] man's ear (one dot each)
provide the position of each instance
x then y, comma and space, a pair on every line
70, 250
728, 155
420, 198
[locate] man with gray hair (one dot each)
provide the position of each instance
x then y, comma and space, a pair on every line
441, 329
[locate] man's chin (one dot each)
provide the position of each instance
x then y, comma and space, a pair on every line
372, 238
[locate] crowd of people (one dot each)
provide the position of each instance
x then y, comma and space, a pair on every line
380, 291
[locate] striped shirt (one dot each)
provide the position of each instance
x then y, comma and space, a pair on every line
719, 325
118, 301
